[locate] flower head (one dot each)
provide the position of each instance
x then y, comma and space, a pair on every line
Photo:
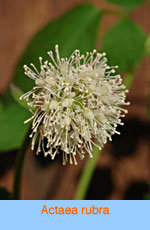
76, 100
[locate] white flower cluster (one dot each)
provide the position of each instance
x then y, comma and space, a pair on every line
77, 102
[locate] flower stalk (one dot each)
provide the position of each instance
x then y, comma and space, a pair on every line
19, 166
87, 174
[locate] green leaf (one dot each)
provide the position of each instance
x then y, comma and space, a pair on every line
1, 108
4, 194
124, 45
75, 29
147, 196
17, 93
147, 45
127, 4
12, 128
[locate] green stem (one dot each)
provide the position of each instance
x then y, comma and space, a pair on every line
87, 175
128, 80
19, 166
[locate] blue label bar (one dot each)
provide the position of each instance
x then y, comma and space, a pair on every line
74, 215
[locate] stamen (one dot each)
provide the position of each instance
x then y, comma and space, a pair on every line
76, 99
